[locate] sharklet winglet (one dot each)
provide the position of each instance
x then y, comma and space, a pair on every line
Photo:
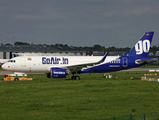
103, 59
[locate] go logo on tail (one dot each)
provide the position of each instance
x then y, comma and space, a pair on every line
142, 46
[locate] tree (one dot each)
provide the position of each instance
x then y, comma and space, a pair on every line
153, 49
21, 43
98, 47
111, 48
7, 44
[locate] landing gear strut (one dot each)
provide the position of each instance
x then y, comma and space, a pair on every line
75, 77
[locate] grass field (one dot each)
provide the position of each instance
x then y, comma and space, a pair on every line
92, 97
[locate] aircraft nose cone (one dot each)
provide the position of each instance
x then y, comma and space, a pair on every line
4, 67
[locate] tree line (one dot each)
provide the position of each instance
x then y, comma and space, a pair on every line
96, 47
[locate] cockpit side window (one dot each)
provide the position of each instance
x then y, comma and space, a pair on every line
12, 61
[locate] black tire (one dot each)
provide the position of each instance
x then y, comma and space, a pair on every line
16, 79
73, 77
48, 75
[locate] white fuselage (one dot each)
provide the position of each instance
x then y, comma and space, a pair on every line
43, 64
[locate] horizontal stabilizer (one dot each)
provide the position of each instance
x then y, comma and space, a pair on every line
147, 60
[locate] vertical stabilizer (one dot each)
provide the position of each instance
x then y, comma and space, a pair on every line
142, 47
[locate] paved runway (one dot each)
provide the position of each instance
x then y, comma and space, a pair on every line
141, 69
132, 69
5, 72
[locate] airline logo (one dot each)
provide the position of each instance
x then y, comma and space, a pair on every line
54, 60
142, 46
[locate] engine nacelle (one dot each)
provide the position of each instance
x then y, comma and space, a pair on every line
57, 73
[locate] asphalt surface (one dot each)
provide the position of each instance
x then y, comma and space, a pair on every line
5, 72
132, 69
141, 69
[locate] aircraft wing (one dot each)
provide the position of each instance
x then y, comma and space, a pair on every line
78, 67
147, 60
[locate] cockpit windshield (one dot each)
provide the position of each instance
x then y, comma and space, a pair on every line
13, 61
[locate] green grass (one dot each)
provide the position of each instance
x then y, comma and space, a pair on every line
92, 97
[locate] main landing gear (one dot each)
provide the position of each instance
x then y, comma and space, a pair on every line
75, 77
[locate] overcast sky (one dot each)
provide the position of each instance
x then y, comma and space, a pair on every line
119, 23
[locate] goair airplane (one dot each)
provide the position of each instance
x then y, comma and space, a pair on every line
60, 66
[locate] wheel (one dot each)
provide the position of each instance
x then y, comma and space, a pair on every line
16, 79
73, 77
48, 75
77, 78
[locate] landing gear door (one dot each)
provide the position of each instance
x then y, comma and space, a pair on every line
23, 62
125, 61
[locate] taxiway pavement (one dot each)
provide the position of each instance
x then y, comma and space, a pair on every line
132, 69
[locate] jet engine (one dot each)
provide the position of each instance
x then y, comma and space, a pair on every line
57, 73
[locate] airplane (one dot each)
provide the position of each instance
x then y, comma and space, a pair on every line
60, 66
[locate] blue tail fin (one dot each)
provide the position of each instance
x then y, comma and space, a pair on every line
15, 55
142, 47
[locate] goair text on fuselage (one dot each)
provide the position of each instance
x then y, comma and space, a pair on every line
54, 60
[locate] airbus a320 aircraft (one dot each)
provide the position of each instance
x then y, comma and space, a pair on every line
60, 66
